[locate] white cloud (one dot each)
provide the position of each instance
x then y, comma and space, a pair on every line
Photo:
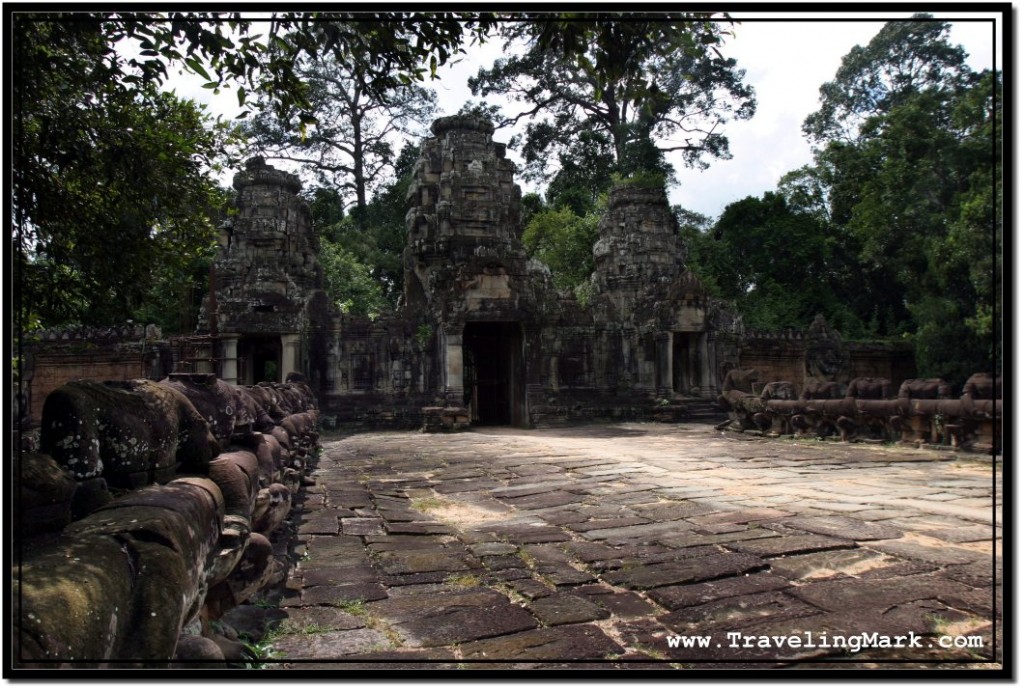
787, 62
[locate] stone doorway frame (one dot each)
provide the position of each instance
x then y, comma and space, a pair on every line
506, 390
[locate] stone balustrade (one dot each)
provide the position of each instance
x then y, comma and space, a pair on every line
922, 412
132, 542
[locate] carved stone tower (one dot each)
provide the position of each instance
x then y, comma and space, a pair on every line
650, 311
264, 278
466, 270
639, 253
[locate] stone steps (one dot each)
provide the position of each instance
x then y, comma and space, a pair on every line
703, 410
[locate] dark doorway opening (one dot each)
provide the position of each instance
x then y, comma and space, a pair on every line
685, 363
262, 357
493, 373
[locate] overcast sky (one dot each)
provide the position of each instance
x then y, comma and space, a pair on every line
786, 61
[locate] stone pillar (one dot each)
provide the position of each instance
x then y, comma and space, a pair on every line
204, 358
289, 355
453, 368
663, 341
712, 351
229, 359
708, 389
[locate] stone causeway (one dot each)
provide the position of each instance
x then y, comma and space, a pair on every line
637, 546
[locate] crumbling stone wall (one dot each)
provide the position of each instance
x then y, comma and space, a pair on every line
819, 355
649, 338
54, 356
128, 549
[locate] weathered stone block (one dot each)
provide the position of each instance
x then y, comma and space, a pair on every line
44, 493
128, 432
686, 571
120, 583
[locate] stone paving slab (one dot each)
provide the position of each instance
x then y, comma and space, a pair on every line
579, 642
330, 645
565, 609
845, 527
790, 544
589, 547
736, 613
677, 596
320, 619
818, 565
687, 571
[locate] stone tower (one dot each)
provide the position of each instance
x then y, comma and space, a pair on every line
463, 206
639, 253
467, 274
650, 311
264, 278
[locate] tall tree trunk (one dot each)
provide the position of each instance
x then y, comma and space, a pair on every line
357, 167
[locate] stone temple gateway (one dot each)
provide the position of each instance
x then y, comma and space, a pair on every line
483, 336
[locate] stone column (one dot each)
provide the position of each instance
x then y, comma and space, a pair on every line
229, 359
707, 379
712, 350
453, 368
204, 361
663, 341
289, 355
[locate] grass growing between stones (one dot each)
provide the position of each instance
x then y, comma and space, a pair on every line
426, 504
507, 590
258, 653
378, 624
463, 580
356, 608
307, 630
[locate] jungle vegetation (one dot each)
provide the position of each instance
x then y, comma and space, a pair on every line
894, 231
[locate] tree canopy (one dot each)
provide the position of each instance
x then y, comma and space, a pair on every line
645, 84
349, 147
902, 60
111, 181
895, 230
113, 178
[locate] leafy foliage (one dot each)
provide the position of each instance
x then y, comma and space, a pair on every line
112, 185
349, 146
349, 282
902, 60
565, 242
772, 261
635, 78
896, 230
363, 264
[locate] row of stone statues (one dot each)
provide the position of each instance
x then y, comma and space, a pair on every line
147, 511
923, 411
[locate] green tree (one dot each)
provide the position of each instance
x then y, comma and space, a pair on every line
349, 282
565, 243
585, 172
349, 147
649, 83
373, 251
771, 260
907, 134
112, 184
903, 59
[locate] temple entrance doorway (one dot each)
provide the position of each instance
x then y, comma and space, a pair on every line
685, 363
262, 359
492, 356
